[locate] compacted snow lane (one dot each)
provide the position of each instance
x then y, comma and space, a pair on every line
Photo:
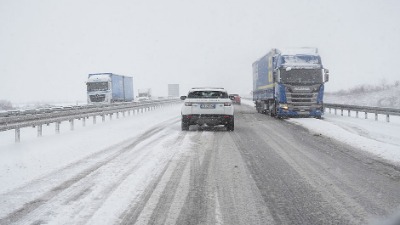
268, 171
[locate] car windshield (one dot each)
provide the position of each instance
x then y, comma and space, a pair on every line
208, 94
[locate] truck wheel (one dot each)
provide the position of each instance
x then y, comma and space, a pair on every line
230, 126
273, 111
184, 125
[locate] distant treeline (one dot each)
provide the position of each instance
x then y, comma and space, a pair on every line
5, 105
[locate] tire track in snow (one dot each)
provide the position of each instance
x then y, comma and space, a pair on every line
46, 197
147, 201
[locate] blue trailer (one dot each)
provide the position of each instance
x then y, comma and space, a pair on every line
109, 88
290, 83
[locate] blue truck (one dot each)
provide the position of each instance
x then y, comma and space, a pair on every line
109, 88
290, 83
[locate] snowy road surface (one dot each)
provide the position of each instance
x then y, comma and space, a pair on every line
267, 171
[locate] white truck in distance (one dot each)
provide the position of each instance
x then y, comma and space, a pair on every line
109, 88
144, 95
210, 106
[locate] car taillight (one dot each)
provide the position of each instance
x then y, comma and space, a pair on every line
227, 104
188, 104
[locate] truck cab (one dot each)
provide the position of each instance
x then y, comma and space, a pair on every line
299, 89
99, 89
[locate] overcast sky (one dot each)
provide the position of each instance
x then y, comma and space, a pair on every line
48, 47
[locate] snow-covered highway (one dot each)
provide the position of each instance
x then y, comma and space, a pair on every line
144, 170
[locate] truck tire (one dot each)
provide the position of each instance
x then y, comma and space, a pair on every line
273, 111
184, 125
230, 126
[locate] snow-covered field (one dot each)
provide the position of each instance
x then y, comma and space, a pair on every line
385, 98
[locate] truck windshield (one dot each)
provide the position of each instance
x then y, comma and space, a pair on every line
208, 94
301, 76
300, 59
97, 86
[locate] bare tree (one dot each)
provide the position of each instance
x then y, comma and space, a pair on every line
5, 105
384, 84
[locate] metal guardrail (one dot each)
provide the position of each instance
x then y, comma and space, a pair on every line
366, 109
17, 122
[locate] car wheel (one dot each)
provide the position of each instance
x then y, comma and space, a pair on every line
185, 125
230, 126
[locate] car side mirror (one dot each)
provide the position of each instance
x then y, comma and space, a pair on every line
183, 97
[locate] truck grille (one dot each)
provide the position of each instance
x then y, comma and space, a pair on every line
302, 100
97, 98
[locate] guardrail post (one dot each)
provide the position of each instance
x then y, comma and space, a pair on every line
348, 112
71, 122
329, 110
335, 111
103, 118
129, 112
17, 135
111, 116
366, 115
341, 112
387, 118
39, 130
117, 115
94, 119
356, 114
57, 127
376, 116
123, 113
84, 121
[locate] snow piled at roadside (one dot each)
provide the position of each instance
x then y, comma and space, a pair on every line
377, 137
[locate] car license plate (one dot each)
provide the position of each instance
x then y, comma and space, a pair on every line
207, 106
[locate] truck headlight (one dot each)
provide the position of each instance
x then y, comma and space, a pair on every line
283, 106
